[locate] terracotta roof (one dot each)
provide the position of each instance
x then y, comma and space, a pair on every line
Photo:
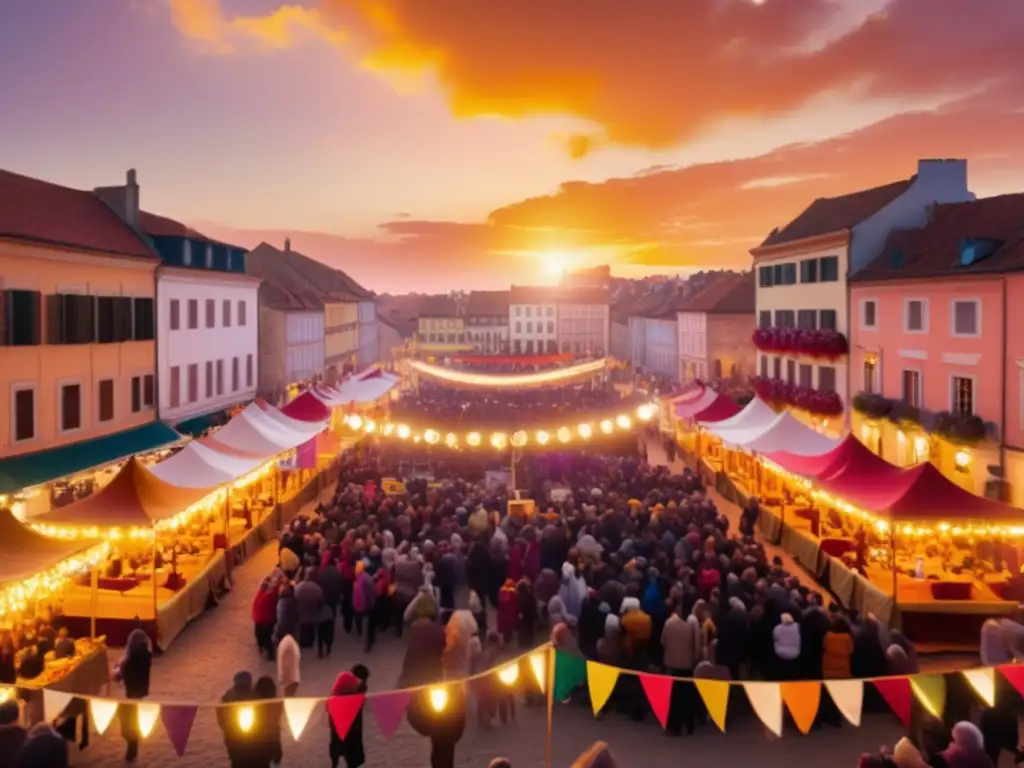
533, 294
729, 295
994, 225
282, 288
492, 303
650, 304
161, 226
835, 214
42, 212
584, 295
438, 306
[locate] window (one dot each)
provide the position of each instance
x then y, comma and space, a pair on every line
113, 319
519, 325
806, 376
869, 314
827, 319
550, 311
961, 400
105, 391
211, 313
828, 269
807, 319
790, 371
764, 366
809, 271
764, 319
784, 274
234, 374
227, 313
136, 394
143, 320
20, 318
519, 311
529, 311
870, 366
915, 316
764, 277
70, 407
148, 390
777, 368
220, 377
966, 319
785, 318
248, 370
193, 314
529, 327
241, 313
174, 399
24, 416
912, 388
551, 326
70, 319
175, 314
193, 382
826, 378
186, 253
209, 379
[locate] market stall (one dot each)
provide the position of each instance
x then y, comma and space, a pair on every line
702, 404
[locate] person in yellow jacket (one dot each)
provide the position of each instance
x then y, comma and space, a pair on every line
636, 627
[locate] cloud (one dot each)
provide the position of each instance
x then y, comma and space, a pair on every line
204, 22
658, 74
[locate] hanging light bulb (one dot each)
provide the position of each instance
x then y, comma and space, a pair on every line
246, 717
473, 438
431, 436
509, 674
623, 421
370, 427
404, 431
451, 440
564, 434
585, 431
543, 437
438, 698
607, 426
355, 421
388, 429
519, 439
645, 412
498, 440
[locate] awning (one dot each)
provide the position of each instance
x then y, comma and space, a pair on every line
25, 553
784, 433
850, 452
687, 409
694, 389
757, 414
245, 435
41, 467
307, 408
197, 466
287, 421
721, 409
197, 425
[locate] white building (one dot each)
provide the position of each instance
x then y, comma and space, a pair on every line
487, 322
584, 321
207, 323
802, 268
533, 320
369, 332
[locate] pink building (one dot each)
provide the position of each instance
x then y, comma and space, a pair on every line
937, 367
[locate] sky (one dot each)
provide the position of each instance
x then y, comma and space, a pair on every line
426, 145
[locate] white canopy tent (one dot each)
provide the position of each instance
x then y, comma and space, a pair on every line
193, 467
273, 419
757, 413
785, 433
254, 437
686, 408
360, 391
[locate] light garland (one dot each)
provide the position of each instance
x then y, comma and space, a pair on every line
510, 381
501, 440
16, 597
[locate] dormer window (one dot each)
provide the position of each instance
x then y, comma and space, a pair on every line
974, 249
209, 256
895, 258
186, 253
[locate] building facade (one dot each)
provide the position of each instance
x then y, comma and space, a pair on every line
207, 324
341, 338
714, 329
802, 269
659, 345
390, 342
487, 322
441, 326
584, 322
533, 320
369, 330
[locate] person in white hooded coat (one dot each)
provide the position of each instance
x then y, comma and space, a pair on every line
572, 590
786, 641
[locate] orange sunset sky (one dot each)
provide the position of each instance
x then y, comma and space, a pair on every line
434, 144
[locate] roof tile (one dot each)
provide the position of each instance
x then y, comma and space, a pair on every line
488, 303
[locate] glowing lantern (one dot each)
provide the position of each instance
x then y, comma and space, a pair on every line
519, 439
623, 422
404, 431
585, 431
543, 437
564, 434
473, 438
438, 699
607, 426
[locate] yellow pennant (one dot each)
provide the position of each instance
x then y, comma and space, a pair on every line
102, 712
601, 681
715, 694
931, 692
983, 681
297, 712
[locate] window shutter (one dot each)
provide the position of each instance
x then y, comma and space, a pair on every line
37, 317
5, 320
55, 319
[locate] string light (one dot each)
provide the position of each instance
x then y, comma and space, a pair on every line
354, 420
585, 431
473, 438
519, 439
451, 440
431, 436
403, 431
16, 597
560, 375
438, 698
607, 426
623, 422
509, 675
246, 719
543, 437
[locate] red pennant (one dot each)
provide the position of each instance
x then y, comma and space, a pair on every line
897, 694
1014, 674
343, 711
659, 695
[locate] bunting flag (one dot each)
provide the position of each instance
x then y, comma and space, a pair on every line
570, 674
802, 699
178, 722
389, 710
297, 713
1014, 673
715, 694
983, 681
766, 701
101, 712
601, 679
659, 695
55, 702
848, 696
343, 711
897, 694
931, 692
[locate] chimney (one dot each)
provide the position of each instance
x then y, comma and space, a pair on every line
945, 180
287, 245
131, 199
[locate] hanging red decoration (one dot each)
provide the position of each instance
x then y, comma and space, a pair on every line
820, 343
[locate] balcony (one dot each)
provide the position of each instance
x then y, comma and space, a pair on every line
781, 393
954, 427
820, 344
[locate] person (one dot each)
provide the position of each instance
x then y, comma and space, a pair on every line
264, 616
786, 643
289, 658
309, 599
350, 747
681, 641
267, 727
287, 612
133, 671
363, 596
500, 762
239, 747
967, 749
12, 733
43, 748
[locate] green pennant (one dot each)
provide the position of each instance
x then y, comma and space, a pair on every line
570, 674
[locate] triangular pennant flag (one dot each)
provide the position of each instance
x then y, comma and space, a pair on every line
601, 680
931, 692
297, 712
983, 681
55, 702
659, 695
177, 722
101, 712
848, 696
766, 701
343, 711
715, 694
570, 674
896, 692
1014, 673
389, 709
802, 699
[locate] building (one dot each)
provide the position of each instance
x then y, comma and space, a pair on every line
714, 329
291, 326
441, 326
937, 362
390, 341
653, 333
588, 277
77, 338
584, 321
533, 320
803, 268
487, 321
207, 325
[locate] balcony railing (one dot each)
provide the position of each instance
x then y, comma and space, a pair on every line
821, 343
779, 392
955, 427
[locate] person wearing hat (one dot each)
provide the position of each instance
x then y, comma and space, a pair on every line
350, 746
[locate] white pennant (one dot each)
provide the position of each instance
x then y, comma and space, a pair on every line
766, 700
101, 712
297, 712
55, 702
983, 681
848, 696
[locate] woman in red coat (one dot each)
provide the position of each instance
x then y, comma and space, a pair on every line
264, 616
508, 610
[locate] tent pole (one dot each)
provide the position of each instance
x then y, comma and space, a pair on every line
895, 573
155, 601
227, 515
94, 584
